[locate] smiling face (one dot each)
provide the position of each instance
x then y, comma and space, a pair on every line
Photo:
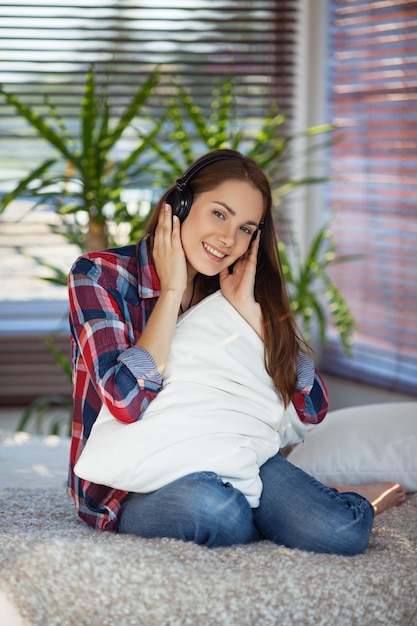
220, 225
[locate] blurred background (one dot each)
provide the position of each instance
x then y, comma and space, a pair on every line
104, 103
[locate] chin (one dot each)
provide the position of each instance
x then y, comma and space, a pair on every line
205, 272
208, 269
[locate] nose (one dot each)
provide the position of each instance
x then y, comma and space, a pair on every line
226, 235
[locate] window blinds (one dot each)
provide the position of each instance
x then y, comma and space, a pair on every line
372, 78
48, 45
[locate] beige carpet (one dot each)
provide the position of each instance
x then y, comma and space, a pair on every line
56, 571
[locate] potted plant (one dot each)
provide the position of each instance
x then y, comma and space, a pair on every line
314, 298
177, 139
188, 132
271, 148
85, 178
84, 185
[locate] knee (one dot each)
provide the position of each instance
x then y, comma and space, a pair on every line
217, 514
348, 538
348, 534
353, 537
342, 529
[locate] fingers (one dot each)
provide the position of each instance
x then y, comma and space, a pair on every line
254, 246
249, 260
164, 228
168, 253
168, 231
176, 230
244, 271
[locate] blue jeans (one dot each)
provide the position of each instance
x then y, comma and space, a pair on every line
295, 511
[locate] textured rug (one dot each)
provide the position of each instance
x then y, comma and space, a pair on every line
54, 570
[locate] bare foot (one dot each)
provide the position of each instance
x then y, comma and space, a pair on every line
382, 495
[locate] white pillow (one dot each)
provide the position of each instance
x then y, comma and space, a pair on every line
363, 444
218, 411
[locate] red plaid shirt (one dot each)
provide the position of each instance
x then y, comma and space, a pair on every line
111, 296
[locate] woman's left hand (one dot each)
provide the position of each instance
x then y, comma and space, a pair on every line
239, 287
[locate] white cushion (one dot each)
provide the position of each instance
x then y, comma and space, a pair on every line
363, 444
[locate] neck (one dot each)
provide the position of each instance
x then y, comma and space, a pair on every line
188, 297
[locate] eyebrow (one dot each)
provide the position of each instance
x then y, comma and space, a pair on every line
232, 212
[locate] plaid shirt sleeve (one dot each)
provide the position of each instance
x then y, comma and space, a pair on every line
124, 375
108, 311
310, 400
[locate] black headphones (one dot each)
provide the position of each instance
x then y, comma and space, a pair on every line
181, 197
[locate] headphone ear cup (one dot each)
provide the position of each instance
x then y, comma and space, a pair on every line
174, 200
180, 201
181, 197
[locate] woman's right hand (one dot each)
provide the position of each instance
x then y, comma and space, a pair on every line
238, 287
168, 253
171, 267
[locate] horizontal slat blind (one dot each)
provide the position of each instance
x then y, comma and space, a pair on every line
48, 45
373, 97
28, 370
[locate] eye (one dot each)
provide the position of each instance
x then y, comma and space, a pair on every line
218, 214
246, 230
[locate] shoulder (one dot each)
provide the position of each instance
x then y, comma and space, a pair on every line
107, 266
113, 258
122, 269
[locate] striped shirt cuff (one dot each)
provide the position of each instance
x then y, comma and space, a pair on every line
141, 364
305, 372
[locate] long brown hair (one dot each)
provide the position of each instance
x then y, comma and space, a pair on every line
281, 339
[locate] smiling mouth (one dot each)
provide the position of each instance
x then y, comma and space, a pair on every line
213, 251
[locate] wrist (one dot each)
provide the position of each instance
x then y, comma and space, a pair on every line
171, 295
252, 313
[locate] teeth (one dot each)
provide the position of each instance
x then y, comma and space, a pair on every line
213, 251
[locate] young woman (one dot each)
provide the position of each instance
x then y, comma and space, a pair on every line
212, 231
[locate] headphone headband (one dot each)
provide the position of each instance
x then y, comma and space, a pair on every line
181, 197
194, 169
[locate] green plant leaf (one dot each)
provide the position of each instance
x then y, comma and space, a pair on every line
88, 124
268, 146
286, 264
72, 232
323, 234
225, 115
62, 360
319, 129
45, 130
37, 411
341, 315
219, 131
147, 139
170, 160
59, 276
305, 303
105, 119
321, 318
285, 185
179, 135
196, 117
348, 258
131, 110
24, 184
54, 114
